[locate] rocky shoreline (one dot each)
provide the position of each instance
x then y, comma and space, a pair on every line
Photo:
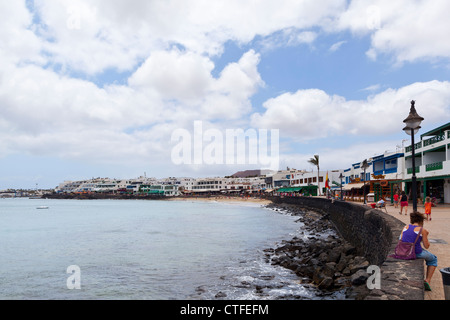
320, 257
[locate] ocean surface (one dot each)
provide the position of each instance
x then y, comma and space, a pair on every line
151, 250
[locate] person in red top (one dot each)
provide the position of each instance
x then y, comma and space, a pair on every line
396, 200
428, 205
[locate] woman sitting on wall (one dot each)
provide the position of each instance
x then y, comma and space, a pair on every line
409, 234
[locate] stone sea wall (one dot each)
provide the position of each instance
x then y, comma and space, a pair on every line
373, 235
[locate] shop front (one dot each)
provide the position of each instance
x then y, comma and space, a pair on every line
437, 188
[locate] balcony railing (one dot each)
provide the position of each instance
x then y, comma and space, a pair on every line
439, 137
410, 170
434, 166
417, 146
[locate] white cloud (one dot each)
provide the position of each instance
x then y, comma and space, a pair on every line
314, 114
336, 46
185, 79
339, 158
175, 75
18, 42
407, 30
372, 88
46, 113
93, 35
168, 47
287, 38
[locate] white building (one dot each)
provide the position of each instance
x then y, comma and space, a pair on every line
160, 189
301, 178
382, 176
432, 164
209, 185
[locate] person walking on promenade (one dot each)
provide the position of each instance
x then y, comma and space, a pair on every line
404, 203
409, 234
428, 206
396, 200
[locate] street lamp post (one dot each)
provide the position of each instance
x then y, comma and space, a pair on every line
340, 177
413, 122
364, 166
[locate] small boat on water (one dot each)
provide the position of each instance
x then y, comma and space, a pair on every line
42, 207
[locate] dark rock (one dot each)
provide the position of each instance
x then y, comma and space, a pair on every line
305, 271
346, 271
334, 256
359, 278
220, 294
267, 277
357, 293
372, 235
329, 269
200, 289
342, 282
323, 257
349, 249
328, 262
362, 266
318, 276
326, 283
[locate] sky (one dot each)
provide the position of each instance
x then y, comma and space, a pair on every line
97, 88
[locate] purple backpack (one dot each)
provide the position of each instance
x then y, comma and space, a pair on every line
406, 250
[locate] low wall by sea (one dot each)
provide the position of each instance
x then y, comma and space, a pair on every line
375, 235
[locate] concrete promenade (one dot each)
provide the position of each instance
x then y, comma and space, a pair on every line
439, 228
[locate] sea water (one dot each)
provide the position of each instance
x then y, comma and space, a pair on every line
140, 249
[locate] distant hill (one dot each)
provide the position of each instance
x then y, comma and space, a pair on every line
247, 173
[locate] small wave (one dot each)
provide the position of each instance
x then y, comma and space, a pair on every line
258, 280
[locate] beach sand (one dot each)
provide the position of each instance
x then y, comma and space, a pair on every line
224, 199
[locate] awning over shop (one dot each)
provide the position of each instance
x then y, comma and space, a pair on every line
297, 189
353, 186
155, 192
289, 189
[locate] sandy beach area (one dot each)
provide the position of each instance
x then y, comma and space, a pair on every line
224, 199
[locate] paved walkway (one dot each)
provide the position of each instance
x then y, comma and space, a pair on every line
439, 228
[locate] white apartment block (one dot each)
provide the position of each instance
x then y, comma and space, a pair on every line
432, 164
